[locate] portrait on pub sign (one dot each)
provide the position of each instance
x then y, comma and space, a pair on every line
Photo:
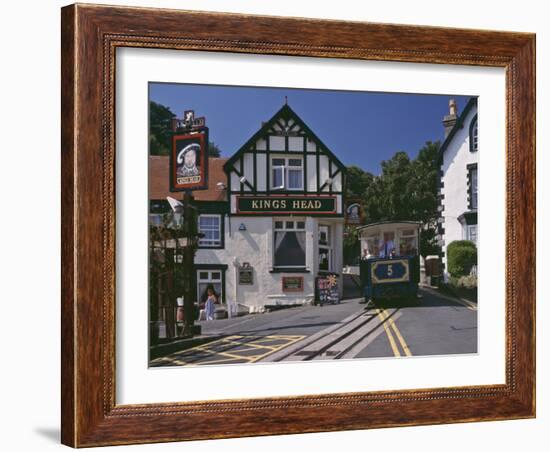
188, 161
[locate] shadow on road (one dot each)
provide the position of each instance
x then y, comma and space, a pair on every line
277, 328
425, 300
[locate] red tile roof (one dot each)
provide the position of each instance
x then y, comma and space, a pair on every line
159, 180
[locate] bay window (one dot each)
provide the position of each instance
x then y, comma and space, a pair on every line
289, 247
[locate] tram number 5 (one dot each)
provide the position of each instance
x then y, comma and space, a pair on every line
390, 270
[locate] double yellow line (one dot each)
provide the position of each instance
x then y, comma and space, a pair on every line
386, 320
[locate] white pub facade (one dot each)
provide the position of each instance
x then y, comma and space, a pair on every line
272, 218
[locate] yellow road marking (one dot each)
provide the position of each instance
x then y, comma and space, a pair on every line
249, 344
388, 333
280, 347
227, 357
216, 361
231, 355
398, 334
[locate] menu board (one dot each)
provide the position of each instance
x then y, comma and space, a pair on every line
327, 289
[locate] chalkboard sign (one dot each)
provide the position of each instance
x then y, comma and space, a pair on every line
327, 289
246, 274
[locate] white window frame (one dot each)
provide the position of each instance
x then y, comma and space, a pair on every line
210, 280
474, 188
273, 169
326, 228
285, 228
326, 245
475, 136
286, 168
208, 243
468, 234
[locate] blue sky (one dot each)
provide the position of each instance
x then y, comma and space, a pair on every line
361, 128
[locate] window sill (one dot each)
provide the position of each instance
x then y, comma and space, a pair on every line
289, 270
327, 272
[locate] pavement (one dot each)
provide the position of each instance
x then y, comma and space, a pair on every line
433, 324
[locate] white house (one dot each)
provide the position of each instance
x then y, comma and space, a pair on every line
458, 190
272, 217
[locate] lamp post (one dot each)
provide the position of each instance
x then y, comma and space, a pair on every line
186, 244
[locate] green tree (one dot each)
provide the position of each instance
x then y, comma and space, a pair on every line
214, 150
405, 190
160, 129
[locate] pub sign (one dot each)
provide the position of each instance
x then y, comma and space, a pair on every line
286, 205
354, 212
189, 161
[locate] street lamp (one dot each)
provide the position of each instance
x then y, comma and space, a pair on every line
185, 244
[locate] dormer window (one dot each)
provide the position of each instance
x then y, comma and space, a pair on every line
473, 135
287, 173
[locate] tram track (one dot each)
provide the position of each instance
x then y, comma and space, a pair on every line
341, 341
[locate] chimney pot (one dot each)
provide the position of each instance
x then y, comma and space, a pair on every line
452, 107
449, 120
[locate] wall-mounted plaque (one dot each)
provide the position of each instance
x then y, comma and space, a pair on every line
246, 274
292, 283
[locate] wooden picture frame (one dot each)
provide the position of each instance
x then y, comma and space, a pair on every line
90, 36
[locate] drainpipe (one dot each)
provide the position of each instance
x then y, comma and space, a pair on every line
231, 306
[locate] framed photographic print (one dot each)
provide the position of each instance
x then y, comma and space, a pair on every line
345, 198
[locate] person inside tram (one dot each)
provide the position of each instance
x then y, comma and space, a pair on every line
387, 248
367, 254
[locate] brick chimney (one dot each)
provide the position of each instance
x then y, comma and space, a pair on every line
449, 120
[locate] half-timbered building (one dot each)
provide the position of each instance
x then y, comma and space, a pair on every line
272, 219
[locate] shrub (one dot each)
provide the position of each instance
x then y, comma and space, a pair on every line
467, 282
461, 257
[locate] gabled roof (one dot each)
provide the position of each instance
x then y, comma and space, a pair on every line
287, 113
458, 125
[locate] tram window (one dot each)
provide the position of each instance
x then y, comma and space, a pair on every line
408, 244
372, 247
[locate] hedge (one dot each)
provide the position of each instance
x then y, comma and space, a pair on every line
461, 257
